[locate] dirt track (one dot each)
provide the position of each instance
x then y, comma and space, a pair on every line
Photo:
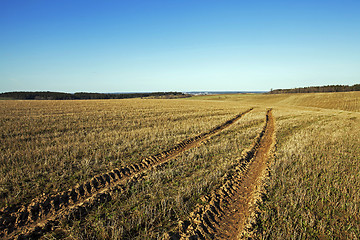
44, 212
227, 208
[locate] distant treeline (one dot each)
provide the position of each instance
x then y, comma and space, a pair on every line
329, 88
84, 95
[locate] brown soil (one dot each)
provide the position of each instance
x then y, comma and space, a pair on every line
227, 208
45, 212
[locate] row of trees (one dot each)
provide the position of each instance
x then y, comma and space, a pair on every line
329, 88
83, 95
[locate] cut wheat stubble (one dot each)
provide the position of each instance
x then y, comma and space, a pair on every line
44, 212
228, 207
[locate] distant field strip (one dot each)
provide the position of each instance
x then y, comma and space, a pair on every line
225, 211
44, 212
348, 101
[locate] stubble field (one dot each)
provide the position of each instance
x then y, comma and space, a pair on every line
306, 185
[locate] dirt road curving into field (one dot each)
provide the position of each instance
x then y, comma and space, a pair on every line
45, 212
226, 210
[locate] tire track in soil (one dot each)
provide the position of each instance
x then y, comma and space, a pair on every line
226, 209
45, 212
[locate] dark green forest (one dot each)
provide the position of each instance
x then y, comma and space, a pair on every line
329, 88
85, 95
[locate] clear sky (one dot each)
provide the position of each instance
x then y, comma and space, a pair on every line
177, 45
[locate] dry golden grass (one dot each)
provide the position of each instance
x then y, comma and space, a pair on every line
348, 101
312, 192
153, 205
49, 146
313, 189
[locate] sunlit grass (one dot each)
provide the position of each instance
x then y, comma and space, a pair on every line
49, 146
313, 190
150, 207
312, 193
349, 101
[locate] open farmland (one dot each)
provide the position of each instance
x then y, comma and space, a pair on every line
176, 161
49, 146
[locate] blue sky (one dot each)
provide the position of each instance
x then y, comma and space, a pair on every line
177, 45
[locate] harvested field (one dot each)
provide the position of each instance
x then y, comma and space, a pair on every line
228, 207
45, 211
347, 101
187, 178
50, 146
311, 191
220, 183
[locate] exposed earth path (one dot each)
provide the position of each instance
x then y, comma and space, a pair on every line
44, 212
225, 210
